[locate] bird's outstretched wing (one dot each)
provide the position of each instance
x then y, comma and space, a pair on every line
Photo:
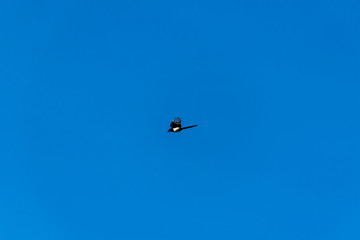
189, 127
176, 122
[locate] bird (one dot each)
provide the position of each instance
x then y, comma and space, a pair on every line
175, 125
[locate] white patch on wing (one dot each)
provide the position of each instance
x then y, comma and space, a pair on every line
176, 129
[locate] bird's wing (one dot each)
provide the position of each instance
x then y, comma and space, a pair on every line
189, 127
176, 122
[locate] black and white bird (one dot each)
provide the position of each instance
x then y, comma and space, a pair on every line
175, 125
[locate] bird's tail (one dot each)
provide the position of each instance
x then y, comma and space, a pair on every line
189, 127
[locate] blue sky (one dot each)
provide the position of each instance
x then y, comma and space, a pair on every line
88, 90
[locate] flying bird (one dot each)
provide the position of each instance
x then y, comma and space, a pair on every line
175, 125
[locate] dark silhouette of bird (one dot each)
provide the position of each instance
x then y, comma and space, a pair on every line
175, 125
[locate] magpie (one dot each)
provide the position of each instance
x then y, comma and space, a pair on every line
176, 125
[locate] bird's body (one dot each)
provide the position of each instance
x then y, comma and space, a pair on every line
176, 125
176, 129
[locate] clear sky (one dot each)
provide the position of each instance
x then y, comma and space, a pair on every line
88, 90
